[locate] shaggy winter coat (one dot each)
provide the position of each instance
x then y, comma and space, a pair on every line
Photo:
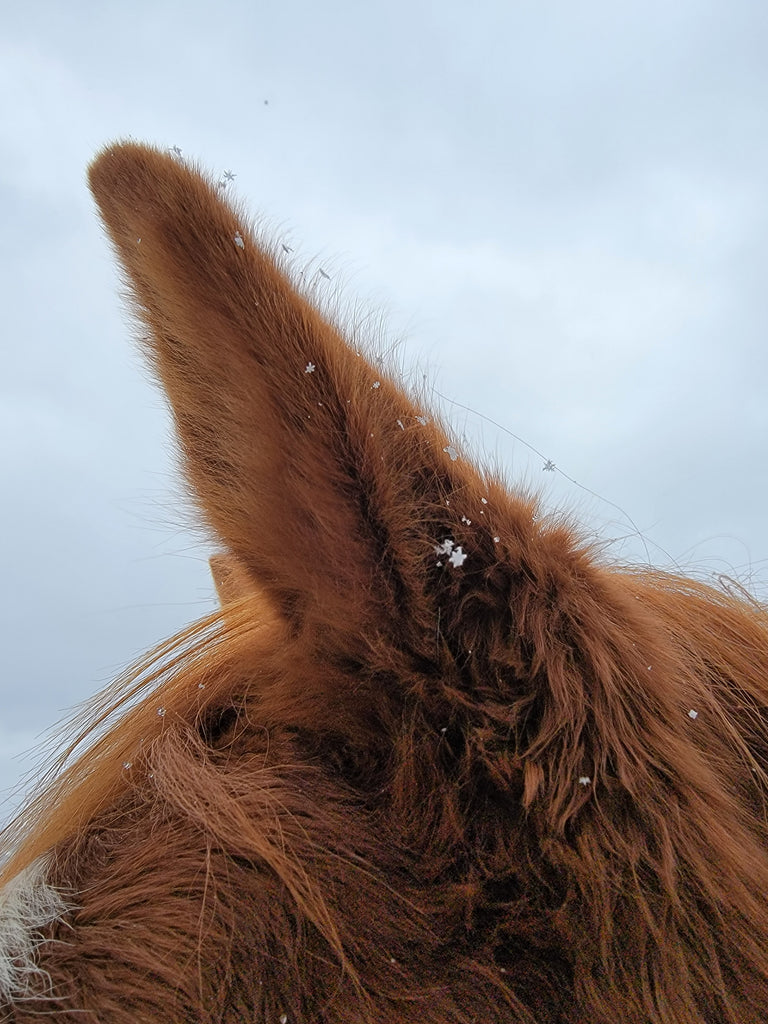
433, 762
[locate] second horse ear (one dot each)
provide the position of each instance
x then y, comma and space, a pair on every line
231, 578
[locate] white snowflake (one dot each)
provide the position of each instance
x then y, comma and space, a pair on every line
309, 368
584, 780
693, 714
400, 424
376, 384
239, 240
455, 553
450, 450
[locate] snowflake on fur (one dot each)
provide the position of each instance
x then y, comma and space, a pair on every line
454, 552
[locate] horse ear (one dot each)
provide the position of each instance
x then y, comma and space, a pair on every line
320, 475
230, 578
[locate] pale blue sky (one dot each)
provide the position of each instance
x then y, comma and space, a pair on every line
561, 206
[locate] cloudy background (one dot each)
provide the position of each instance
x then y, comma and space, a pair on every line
560, 205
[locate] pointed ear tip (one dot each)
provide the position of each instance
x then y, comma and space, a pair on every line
107, 172
124, 163
108, 157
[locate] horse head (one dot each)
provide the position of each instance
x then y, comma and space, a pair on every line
434, 760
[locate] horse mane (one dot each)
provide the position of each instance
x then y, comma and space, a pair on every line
108, 731
432, 743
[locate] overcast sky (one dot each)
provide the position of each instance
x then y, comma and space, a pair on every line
560, 206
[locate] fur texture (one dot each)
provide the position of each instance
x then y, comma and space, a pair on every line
28, 905
433, 761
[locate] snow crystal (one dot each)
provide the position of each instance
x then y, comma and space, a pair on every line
456, 554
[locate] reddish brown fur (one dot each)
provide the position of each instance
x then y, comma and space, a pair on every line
363, 801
